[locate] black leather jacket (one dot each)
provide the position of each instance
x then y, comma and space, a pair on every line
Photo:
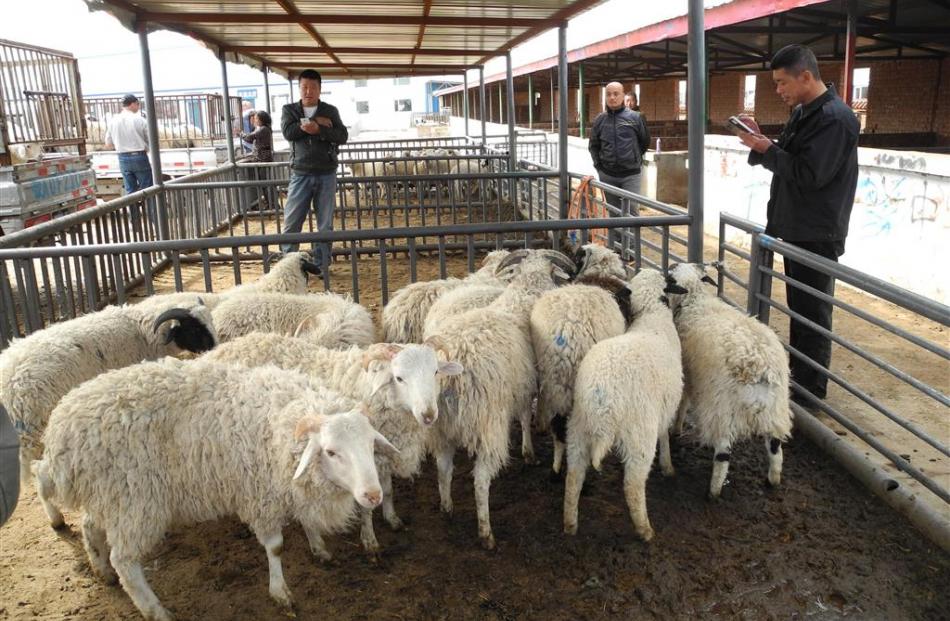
317, 153
618, 140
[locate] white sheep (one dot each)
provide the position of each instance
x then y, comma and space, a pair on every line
404, 317
736, 374
461, 300
565, 323
400, 391
38, 370
626, 393
594, 260
494, 346
284, 313
173, 443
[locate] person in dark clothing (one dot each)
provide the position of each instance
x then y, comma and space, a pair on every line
618, 139
262, 137
315, 132
815, 172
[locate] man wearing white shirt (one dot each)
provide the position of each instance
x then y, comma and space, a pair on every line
128, 134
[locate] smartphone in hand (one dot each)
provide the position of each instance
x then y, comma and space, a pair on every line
737, 126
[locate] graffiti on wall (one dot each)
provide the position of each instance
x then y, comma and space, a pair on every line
886, 202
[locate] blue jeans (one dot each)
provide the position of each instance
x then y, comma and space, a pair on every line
304, 190
136, 171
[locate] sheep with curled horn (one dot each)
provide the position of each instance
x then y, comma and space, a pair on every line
38, 370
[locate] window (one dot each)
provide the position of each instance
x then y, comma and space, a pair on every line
862, 78
362, 107
748, 100
400, 81
402, 105
360, 83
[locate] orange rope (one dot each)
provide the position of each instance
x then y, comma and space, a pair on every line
582, 203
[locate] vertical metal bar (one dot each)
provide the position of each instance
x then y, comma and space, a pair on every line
228, 127
206, 269
442, 273
580, 98
696, 114
176, 268
721, 258
60, 287
755, 276
118, 279
465, 100
530, 103
355, 273
89, 276
147, 273
471, 253
153, 146
766, 286
290, 88
847, 85
563, 185
512, 147
383, 275
481, 101
266, 72
411, 241
552, 99
8, 323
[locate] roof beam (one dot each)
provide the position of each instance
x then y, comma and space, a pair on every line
358, 20
383, 66
426, 9
292, 11
319, 49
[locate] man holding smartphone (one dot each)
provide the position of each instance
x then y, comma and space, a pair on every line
815, 172
315, 132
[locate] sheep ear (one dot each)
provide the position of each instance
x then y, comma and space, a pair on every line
675, 288
707, 278
306, 426
381, 378
311, 451
384, 446
450, 368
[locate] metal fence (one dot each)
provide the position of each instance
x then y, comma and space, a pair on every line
868, 356
40, 98
192, 120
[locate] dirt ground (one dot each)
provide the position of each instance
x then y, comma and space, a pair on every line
820, 546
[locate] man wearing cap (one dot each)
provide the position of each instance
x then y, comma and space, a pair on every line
128, 134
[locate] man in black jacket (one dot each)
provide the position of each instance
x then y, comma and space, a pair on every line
815, 173
618, 140
314, 130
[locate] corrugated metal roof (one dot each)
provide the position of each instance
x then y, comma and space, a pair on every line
353, 39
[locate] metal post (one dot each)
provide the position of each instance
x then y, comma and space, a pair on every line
847, 85
501, 106
228, 123
481, 100
580, 98
290, 89
266, 89
696, 115
563, 187
465, 99
530, 103
512, 146
552, 99
153, 145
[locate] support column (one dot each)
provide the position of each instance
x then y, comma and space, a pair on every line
154, 152
501, 106
580, 98
696, 115
267, 89
847, 85
553, 126
465, 99
481, 100
512, 145
290, 89
530, 103
563, 187
228, 125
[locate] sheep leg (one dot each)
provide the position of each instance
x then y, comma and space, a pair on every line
482, 487
681, 415
389, 510
44, 491
527, 444
445, 460
559, 433
666, 463
133, 581
97, 549
578, 458
720, 469
317, 546
636, 469
774, 448
367, 534
273, 543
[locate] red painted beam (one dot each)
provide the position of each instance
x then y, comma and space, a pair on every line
403, 20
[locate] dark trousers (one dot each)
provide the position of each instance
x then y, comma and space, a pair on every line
801, 337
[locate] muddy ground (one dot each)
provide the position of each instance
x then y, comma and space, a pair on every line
820, 546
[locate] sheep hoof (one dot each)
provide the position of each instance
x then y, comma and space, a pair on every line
669, 472
157, 614
570, 529
711, 497
322, 555
395, 523
646, 534
487, 541
58, 525
772, 484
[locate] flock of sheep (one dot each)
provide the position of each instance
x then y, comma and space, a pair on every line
288, 409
